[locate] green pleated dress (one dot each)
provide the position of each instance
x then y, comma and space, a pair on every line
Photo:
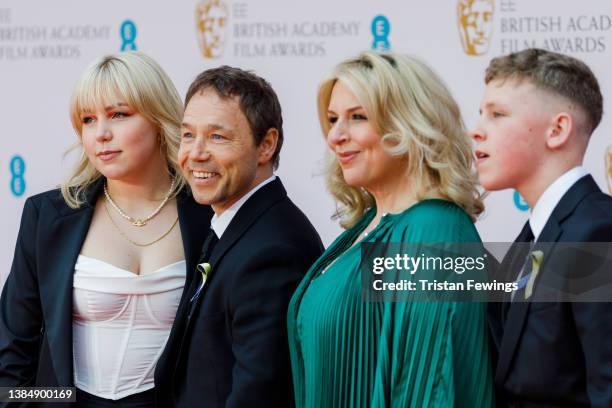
346, 352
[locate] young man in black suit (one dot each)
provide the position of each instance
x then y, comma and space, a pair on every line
228, 346
538, 112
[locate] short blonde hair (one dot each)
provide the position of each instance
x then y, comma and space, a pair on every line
139, 81
412, 109
561, 74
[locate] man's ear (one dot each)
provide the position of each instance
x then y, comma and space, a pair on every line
560, 131
267, 146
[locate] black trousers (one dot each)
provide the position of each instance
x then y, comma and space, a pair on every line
144, 399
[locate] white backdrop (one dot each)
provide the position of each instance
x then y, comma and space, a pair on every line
45, 45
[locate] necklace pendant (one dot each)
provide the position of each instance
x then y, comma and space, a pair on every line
139, 223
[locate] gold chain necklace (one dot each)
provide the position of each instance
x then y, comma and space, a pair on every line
135, 221
134, 242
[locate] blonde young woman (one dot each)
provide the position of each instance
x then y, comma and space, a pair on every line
100, 264
400, 170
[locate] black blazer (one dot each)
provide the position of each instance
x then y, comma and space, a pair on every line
36, 302
233, 350
555, 354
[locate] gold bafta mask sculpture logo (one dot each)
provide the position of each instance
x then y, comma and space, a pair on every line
475, 20
609, 168
211, 22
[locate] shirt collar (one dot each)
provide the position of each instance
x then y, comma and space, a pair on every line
550, 198
220, 223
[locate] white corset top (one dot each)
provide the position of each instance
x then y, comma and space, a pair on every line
120, 325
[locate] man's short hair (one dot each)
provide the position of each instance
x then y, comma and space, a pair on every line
258, 101
554, 72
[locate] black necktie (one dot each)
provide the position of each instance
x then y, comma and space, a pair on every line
518, 256
526, 234
208, 246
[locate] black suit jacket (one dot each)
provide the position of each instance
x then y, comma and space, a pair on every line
556, 354
36, 302
233, 350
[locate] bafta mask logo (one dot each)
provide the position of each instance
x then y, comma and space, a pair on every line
475, 19
211, 23
609, 168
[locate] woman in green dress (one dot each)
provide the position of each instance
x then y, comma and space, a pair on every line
400, 168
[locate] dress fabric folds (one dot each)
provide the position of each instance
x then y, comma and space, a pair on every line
348, 352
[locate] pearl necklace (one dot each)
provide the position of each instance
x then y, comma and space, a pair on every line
135, 221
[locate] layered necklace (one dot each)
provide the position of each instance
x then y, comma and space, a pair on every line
135, 221
138, 222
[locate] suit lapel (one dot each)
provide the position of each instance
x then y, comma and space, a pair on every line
551, 233
255, 206
194, 228
66, 236
193, 231
553, 229
518, 312
512, 331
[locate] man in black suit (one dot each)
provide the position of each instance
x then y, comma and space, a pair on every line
228, 346
537, 115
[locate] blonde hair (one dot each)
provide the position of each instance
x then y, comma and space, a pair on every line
416, 115
139, 81
560, 74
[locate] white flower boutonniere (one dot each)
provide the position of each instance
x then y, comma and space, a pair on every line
204, 269
537, 257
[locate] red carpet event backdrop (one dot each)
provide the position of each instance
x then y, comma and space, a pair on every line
45, 45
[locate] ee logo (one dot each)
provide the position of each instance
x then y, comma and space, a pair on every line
17, 169
381, 27
128, 36
519, 202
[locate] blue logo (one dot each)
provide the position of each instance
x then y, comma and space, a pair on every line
381, 27
519, 202
17, 169
128, 36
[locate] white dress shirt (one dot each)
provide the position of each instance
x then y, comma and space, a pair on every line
550, 198
219, 223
